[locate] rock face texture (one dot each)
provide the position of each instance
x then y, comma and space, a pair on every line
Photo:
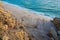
21, 24
56, 21
10, 29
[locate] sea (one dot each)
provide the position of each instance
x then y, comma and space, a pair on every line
49, 8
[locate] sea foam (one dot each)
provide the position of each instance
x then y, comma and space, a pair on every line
30, 10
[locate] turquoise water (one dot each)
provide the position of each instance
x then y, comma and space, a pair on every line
49, 8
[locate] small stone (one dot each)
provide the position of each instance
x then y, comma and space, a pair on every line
6, 27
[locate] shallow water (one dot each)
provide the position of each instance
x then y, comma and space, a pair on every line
49, 8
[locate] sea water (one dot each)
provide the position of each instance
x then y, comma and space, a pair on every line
49, 8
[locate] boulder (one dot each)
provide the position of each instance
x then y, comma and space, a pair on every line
56, 21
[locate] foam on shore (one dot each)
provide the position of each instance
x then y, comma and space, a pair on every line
27, 10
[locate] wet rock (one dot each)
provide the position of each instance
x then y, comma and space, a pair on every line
59, 33
56, 21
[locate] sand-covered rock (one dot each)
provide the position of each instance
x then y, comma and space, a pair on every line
9, 27
6, 18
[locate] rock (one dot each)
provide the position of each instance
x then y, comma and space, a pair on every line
56, 21
6, 18
59, 32
26, 25
10, 29
5, 37
22, 35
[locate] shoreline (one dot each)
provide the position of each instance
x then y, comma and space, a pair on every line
29, 10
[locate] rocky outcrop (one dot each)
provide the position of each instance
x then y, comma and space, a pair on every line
56, 21
21, 24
